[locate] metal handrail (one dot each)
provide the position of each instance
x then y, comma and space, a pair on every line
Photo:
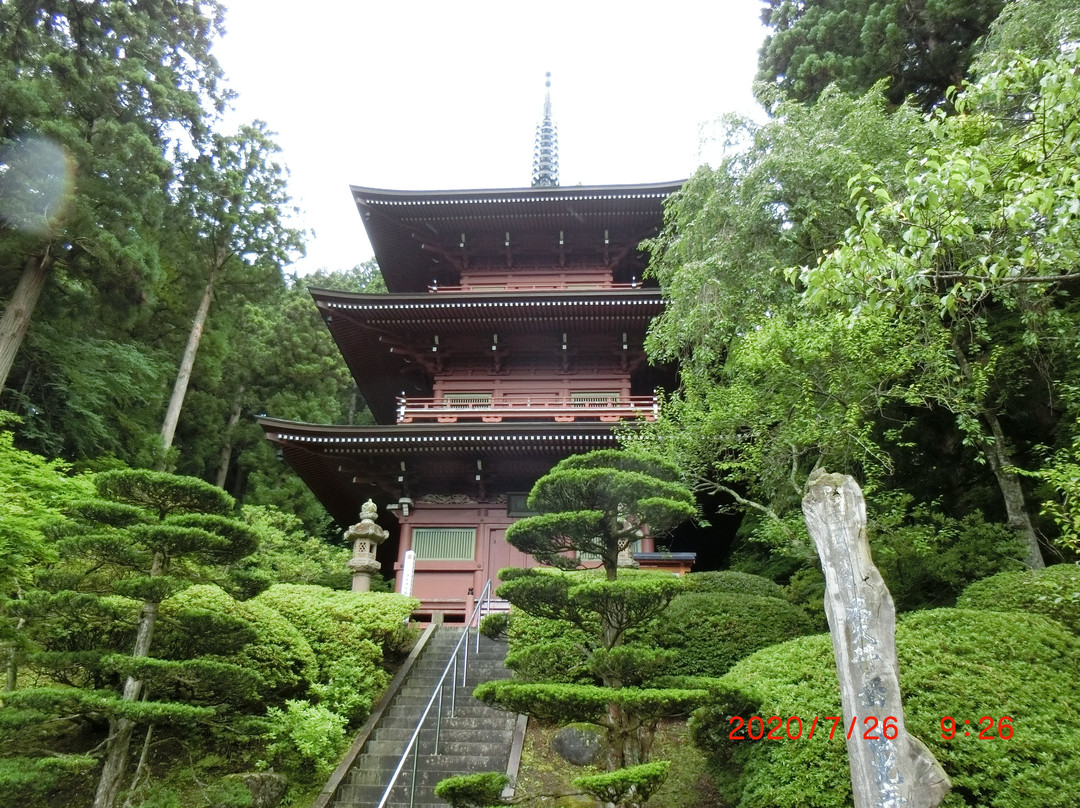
485, 598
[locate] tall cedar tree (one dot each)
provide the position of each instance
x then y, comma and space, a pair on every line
923, 47
93, 90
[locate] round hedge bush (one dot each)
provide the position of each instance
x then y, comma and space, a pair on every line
732, 582
712, 631
953, 662
279, 653
1053, 592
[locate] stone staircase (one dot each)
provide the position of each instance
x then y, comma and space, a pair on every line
475, 738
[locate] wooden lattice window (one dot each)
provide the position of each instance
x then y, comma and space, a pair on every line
466, 401
444, 543
593, 399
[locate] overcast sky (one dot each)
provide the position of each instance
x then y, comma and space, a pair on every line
440, 95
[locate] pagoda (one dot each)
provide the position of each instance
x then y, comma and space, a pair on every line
511, 337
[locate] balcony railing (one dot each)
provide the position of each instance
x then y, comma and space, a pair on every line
526, 408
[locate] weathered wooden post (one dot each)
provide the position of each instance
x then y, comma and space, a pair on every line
889, 767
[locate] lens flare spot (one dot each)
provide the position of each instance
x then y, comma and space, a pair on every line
36, 181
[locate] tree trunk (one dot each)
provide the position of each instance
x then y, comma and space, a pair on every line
183, 377
1007, 479
886, 768
16, 319
122, 729
1011, 491
227, 446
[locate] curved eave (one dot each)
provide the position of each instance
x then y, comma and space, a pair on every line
517, 438
403, 226
328, 458
362, 323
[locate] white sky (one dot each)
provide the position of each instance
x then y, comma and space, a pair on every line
440, 95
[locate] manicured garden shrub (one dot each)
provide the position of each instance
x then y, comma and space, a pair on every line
1053, 592
472, 790
732, 582
272, 647
305, 739
953, 662
712, 631
340, 623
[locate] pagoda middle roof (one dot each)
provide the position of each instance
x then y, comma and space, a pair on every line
409, 229
362, 323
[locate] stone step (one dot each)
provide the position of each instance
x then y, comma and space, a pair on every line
450, 743
429, 770
461, 730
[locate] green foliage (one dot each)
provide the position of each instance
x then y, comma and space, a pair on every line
473, 790
923, 48
927, 558
266, 643
960, 663
305, 739
600, 503
1053, 592
30, 781
732, 582
711, 631
287, 554
339, 624
161, 493
631, 786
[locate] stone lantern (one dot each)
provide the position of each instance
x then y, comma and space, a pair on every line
366, 536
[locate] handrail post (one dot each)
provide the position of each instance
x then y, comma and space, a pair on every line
412, 788
465, 659
438, 722
453, 689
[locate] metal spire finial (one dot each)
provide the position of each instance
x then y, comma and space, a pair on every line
545, 171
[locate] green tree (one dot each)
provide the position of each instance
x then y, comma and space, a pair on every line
976, 252
769, 388
141, 538
99, 88
233, 220
600, 503
604, 621
922, 47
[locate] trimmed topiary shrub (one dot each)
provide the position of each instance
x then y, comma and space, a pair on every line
473, 790
713, 631
627, 788
273, 648
732, 582
1053, 592
953, 662
340, 623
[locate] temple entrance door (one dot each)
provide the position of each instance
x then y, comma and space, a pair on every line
502, 555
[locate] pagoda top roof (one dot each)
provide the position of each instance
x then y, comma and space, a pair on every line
421, 236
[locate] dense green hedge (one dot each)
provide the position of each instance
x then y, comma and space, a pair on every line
732, 582
1053, 591
712, 631
953, 662
275, 649
339, 624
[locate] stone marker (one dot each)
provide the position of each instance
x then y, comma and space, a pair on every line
889, 767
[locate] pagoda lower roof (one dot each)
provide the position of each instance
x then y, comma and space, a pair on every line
413, 232
344, 465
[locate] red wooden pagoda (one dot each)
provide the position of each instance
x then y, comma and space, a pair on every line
511, 338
